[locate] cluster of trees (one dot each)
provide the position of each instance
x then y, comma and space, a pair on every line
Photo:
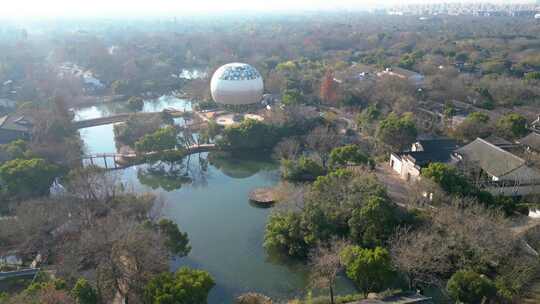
250, 134
510, 126
340, 204
25, 178
134, 128
114, 240
471, 248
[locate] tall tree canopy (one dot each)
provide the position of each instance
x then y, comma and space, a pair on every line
27, 177
397, 132
185, 286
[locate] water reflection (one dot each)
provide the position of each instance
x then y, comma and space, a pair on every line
241, 165
150, 105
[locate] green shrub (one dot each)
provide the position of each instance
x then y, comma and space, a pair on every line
469, 287
302, 169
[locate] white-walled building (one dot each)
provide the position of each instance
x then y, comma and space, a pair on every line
408, 164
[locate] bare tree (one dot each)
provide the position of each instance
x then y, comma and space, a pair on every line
457, 236
322, 140
124, 254
326, 265
288, 148
92, 184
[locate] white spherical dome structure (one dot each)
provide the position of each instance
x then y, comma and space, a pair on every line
237, 84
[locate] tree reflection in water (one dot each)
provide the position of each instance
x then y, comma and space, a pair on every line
171, 175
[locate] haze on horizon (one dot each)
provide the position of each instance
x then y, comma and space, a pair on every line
127, 8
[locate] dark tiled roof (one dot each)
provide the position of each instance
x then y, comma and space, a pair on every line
497, 141
532, 140
491, 158
422, 158
440, 145
437, 150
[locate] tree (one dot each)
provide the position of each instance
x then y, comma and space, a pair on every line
124, 254
284, 233
185, 286
327, 212
17, 149
448, 177
135, 128
176, 241
84, 293
250, 134
351, 99
512, 126
475, 125
289, 148
160, 140
321, 141
373, 223
27, 177
350, 154
301, 169
329, 88
292, 98
325, 266
370, 269
397, 132
45, 293
92, 184
454, 237
367, 118
135, 103
467, 286
407, 61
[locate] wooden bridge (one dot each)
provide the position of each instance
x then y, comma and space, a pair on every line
113, 161
110, 160
93, 122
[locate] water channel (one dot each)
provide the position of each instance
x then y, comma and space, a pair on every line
225, 231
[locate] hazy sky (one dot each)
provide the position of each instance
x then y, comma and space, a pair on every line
66, 8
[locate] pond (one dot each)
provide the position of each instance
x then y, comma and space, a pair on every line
211, 204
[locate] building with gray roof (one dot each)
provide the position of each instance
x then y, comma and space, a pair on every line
505, 173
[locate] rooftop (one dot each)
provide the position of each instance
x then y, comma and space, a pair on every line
434, 150
438, 144
532, 140
492, 159
500, 142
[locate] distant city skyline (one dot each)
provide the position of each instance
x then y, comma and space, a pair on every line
108, 8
